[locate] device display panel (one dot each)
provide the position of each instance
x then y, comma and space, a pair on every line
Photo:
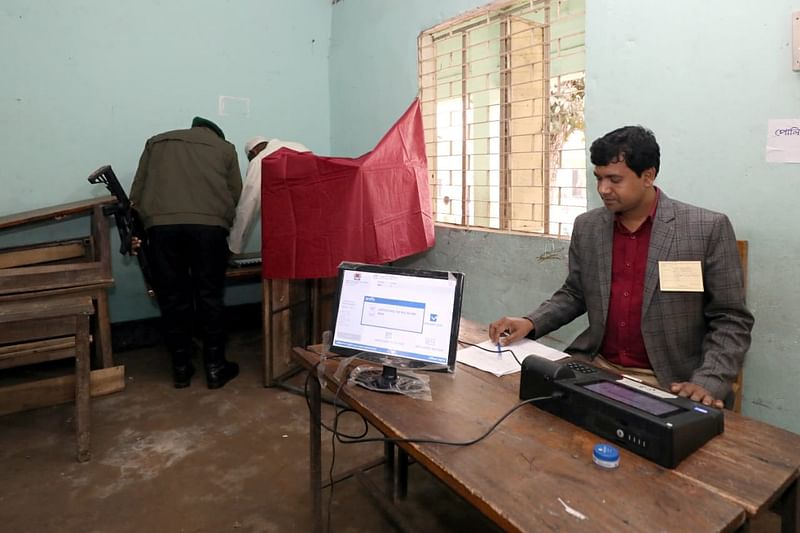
407, 313
633, 398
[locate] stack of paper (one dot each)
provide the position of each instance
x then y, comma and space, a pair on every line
485, 356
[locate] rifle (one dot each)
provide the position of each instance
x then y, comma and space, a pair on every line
129, 223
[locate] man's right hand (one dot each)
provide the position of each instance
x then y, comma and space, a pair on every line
136, 243
515, 328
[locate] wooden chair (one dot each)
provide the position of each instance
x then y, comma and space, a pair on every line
739, 383
47, 329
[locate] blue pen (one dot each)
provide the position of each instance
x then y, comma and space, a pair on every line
499, 350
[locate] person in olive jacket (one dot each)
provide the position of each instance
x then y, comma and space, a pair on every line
185, 190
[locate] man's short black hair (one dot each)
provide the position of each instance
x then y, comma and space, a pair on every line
635, 145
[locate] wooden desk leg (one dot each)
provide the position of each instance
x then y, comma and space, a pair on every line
789, 509
388, 470
266, 327
103, 322
315, 459
82, 387
402, 473
316, 335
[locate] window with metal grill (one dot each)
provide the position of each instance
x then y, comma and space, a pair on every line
502, 91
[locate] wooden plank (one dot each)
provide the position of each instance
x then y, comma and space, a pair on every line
42, 254
82, 391
280, 293
49, 269
37, 346
37, 357
751, 463
82, 289
101, 241
42, 278
238, 271
295, 313
266, 330
57, 212
102, 328
31, 330
53, 391
322, 307
290, 328
45, 308
281, 341
738, 385
287, 322
242, 273
37, 352
743, 248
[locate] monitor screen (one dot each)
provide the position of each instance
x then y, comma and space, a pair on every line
401, 313
631, 397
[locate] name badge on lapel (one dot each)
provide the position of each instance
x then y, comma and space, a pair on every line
680, 276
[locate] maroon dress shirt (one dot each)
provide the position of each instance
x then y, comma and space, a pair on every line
623, 343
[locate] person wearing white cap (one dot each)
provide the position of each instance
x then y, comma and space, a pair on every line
249, 205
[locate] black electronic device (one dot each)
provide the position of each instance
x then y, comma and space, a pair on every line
659, 426
398, 317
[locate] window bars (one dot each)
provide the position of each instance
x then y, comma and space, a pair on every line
502, 94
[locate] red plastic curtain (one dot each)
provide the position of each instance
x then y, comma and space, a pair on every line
319, 211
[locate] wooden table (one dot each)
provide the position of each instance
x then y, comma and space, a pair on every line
294, 311
535, 471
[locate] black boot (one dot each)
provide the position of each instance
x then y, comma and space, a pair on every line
182, 368
219, 370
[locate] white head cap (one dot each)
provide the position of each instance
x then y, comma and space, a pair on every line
252, 143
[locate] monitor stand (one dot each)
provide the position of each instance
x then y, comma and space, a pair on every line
398, 362
387, 380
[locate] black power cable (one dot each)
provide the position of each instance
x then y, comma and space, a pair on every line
509, 350
345, 438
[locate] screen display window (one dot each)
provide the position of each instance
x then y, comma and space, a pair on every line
631, 397
398, 315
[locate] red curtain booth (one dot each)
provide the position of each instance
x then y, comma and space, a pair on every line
319, 211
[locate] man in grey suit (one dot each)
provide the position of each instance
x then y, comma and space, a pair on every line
661, 281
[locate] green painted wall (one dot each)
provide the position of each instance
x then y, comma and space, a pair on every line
86, 82
705, 76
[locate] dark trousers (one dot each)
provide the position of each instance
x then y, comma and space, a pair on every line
189, 263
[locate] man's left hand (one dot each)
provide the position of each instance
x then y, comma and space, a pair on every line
695, 392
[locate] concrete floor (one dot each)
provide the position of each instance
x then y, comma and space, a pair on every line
195, 460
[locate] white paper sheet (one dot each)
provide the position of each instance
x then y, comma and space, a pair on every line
783, 140
504, 363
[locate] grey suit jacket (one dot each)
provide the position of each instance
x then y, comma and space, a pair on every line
701, 337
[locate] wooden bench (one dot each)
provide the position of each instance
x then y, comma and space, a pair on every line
47, 329
77, 266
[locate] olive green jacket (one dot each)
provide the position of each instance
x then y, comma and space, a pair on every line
187, 176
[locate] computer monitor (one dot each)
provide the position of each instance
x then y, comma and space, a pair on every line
398, 317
